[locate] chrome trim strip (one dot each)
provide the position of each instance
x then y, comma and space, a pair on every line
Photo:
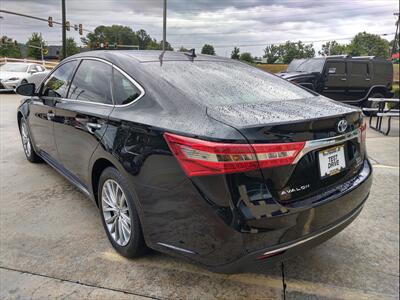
313, 236
317, 144
133, 81
177, 248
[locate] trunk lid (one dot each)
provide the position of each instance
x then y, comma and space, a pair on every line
305, 120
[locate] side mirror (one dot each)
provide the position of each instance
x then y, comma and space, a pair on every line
27, 89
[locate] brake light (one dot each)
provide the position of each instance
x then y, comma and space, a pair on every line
363, 132
199, 157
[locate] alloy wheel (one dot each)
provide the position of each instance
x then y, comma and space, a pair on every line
116, 212
26, 142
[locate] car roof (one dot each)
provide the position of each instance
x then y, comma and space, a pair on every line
143, 56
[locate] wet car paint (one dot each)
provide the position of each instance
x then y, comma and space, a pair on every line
212, 218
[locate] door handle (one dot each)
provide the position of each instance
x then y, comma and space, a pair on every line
50, 115
92, 127
343, 79
367, 79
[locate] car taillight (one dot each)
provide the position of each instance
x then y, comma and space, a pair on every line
199, 157
363, 132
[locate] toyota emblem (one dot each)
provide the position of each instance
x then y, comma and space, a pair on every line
341, 126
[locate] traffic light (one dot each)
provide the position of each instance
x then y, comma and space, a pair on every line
50, 20
67, 25
80, 29
75, 27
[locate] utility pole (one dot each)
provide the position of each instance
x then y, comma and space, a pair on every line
64, 32
41, 47
164, 25
395, 42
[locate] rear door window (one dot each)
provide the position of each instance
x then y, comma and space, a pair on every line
92, 82
124, 90
57, 84
358, 68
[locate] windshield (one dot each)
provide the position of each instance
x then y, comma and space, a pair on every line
292, 67
307, 65
225, 83
14, 67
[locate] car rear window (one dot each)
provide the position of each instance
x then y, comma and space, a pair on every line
225, 83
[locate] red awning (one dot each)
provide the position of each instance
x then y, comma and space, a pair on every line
396, 55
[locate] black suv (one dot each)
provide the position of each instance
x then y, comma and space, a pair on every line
344, 78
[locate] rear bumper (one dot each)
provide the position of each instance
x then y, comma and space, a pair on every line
252, 261
197, 232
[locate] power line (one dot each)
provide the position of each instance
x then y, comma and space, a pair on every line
283, 42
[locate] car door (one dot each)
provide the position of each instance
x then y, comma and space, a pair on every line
360, 75
335, 82
42, 109
81, 118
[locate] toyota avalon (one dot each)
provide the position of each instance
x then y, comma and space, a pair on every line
200, 157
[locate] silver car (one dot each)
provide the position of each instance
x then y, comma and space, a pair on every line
16, 73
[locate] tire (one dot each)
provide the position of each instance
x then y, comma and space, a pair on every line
119, 213
370, 104
27, 143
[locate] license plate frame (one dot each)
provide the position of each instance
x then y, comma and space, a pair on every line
332, 161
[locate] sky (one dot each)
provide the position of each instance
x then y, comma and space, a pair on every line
249, 24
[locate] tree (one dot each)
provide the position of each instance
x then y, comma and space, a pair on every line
235, 53
395, 48
114, 34
272, 53
208, 49
154, 45
72, 47
333, 48
122, 35
144, 39
9, 48
35, 40
183, 49
292, 50
246, 56
288, 51
366, 44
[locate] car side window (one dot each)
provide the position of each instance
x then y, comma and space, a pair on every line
336, 68
359, 68
57, 84
124, 91
92, 82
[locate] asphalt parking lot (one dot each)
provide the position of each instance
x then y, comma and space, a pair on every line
52, 243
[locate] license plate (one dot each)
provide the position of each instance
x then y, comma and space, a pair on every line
332, 161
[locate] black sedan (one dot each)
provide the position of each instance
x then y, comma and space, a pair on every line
201, 157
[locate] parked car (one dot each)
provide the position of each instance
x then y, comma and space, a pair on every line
15, 73
347, 79
204, 158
